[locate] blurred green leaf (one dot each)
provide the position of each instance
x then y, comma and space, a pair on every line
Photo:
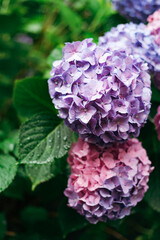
8, 170
31, 96
94, 233
3, 226
34, 26
31, 236
9, 23
9, 144
152, 146
112, 20
43, 229
16, 189
59, 182
153, 194
104, 11
31, 215
69, 219
154, 233
5, 90
56, 54
71, 18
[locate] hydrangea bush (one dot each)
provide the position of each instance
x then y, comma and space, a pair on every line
93, 122
101, 94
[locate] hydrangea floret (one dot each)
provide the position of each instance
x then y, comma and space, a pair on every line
103, 95
105, 183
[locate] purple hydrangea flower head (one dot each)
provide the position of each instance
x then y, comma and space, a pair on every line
105, 183
136, 39
101, 94
154, 27
136, 10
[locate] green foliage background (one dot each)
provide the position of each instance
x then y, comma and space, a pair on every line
34, 142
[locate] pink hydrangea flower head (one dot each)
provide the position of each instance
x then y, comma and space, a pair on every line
157, 122
105, 183
103, 95
154, 25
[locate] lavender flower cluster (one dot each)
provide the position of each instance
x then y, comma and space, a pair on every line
136, 10
102, 94
105, 183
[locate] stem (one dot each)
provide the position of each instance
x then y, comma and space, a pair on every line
150, 119
115, 234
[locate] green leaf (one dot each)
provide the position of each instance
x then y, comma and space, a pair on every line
3, 226
69, 219
41, 173
8, 170
31, 96
153, 194
41, 143
44, 172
